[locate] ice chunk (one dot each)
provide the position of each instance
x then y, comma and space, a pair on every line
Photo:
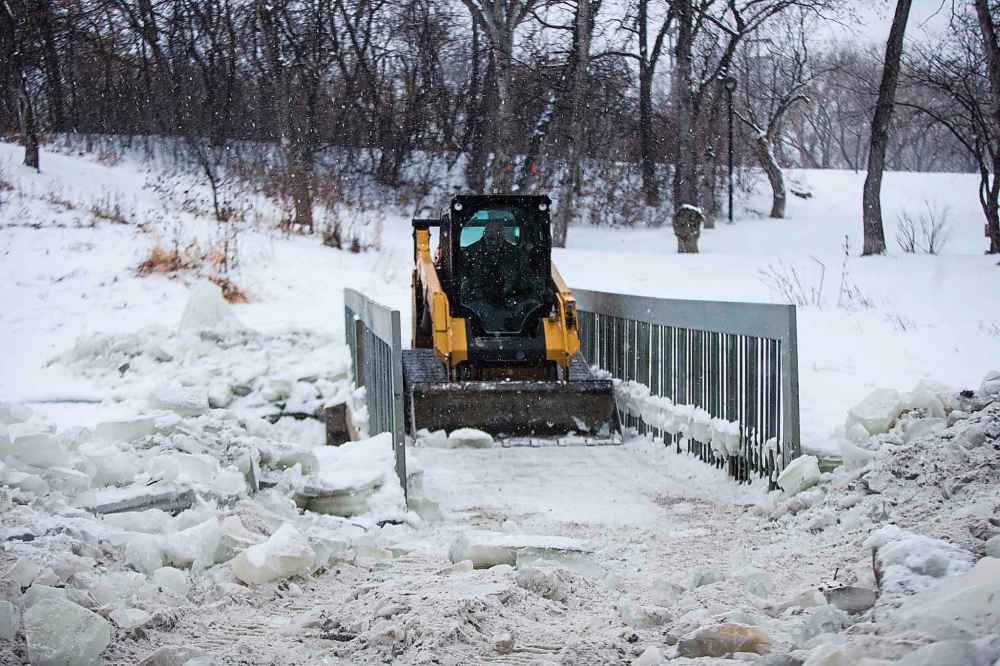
854, 456
983, 652
437, 439
801, 473
754, 580
172, 655
991, 383
643, 616
60, 632
23, 573
130, 618
917, 553
40, 449
10, 621
38, 592
219, 395
287, 553
23, 481
857, 433
722, 639
470, 438
704, 576
207, 309
651, 656
12, 412
487, 549
112, 466
196, 547
993, 547
65, 480
546, 582
111, 588
959, 607
853, 600
144, 553
174, 396
125, 430
172, 580
826, 619
877, 412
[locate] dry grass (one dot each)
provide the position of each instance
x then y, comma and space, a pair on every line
171, 260
230, 290
109, 209
190, 258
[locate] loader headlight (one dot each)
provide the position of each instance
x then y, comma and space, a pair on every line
543, 207
457, 205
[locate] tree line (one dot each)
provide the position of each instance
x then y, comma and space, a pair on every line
525, 91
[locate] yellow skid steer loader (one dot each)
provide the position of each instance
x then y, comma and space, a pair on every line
495, 340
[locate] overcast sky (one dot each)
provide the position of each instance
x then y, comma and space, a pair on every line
872, 18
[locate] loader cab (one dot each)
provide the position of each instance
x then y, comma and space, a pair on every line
496, 253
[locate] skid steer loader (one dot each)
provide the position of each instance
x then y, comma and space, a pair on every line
495, 342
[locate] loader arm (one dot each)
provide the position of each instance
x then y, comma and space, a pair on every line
448, 334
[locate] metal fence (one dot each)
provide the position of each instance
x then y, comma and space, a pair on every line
737, 361
373, 335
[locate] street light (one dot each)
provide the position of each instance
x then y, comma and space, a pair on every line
729, 83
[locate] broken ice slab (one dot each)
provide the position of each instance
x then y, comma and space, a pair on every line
125, 430
487, 549
60, 632
286, 553
343, 502
140, 499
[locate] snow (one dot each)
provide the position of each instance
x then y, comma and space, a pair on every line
257, 539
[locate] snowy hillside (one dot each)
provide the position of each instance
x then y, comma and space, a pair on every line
157, 499
878, 322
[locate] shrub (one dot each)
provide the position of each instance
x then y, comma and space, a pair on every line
925, 232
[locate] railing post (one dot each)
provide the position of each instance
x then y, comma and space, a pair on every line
359, 353
792, 445
398, 428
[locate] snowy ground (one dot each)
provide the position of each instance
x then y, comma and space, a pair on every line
619, 551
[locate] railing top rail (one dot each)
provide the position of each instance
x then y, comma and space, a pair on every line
765, 320
377, 317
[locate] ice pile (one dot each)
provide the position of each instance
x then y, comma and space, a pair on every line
192, 496
212, 362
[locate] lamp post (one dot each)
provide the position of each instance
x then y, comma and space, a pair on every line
729, 83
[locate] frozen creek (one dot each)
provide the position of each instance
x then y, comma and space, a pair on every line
605, 555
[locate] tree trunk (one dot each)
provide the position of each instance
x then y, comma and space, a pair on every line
687, 214
483, 132
647, 148
765, 154
580, 63
874, 233
26, 119
503, 152
992, 50
53, 75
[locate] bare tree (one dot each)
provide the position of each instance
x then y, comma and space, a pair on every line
874, 233
988, 27
580, 62
500, 19
775, 79
16, 32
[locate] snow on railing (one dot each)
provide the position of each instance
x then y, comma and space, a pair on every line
719, 379
373, 335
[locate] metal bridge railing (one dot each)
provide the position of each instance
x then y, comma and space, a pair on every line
736, 361
374, 337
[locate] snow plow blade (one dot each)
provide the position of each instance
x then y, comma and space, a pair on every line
582, 407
